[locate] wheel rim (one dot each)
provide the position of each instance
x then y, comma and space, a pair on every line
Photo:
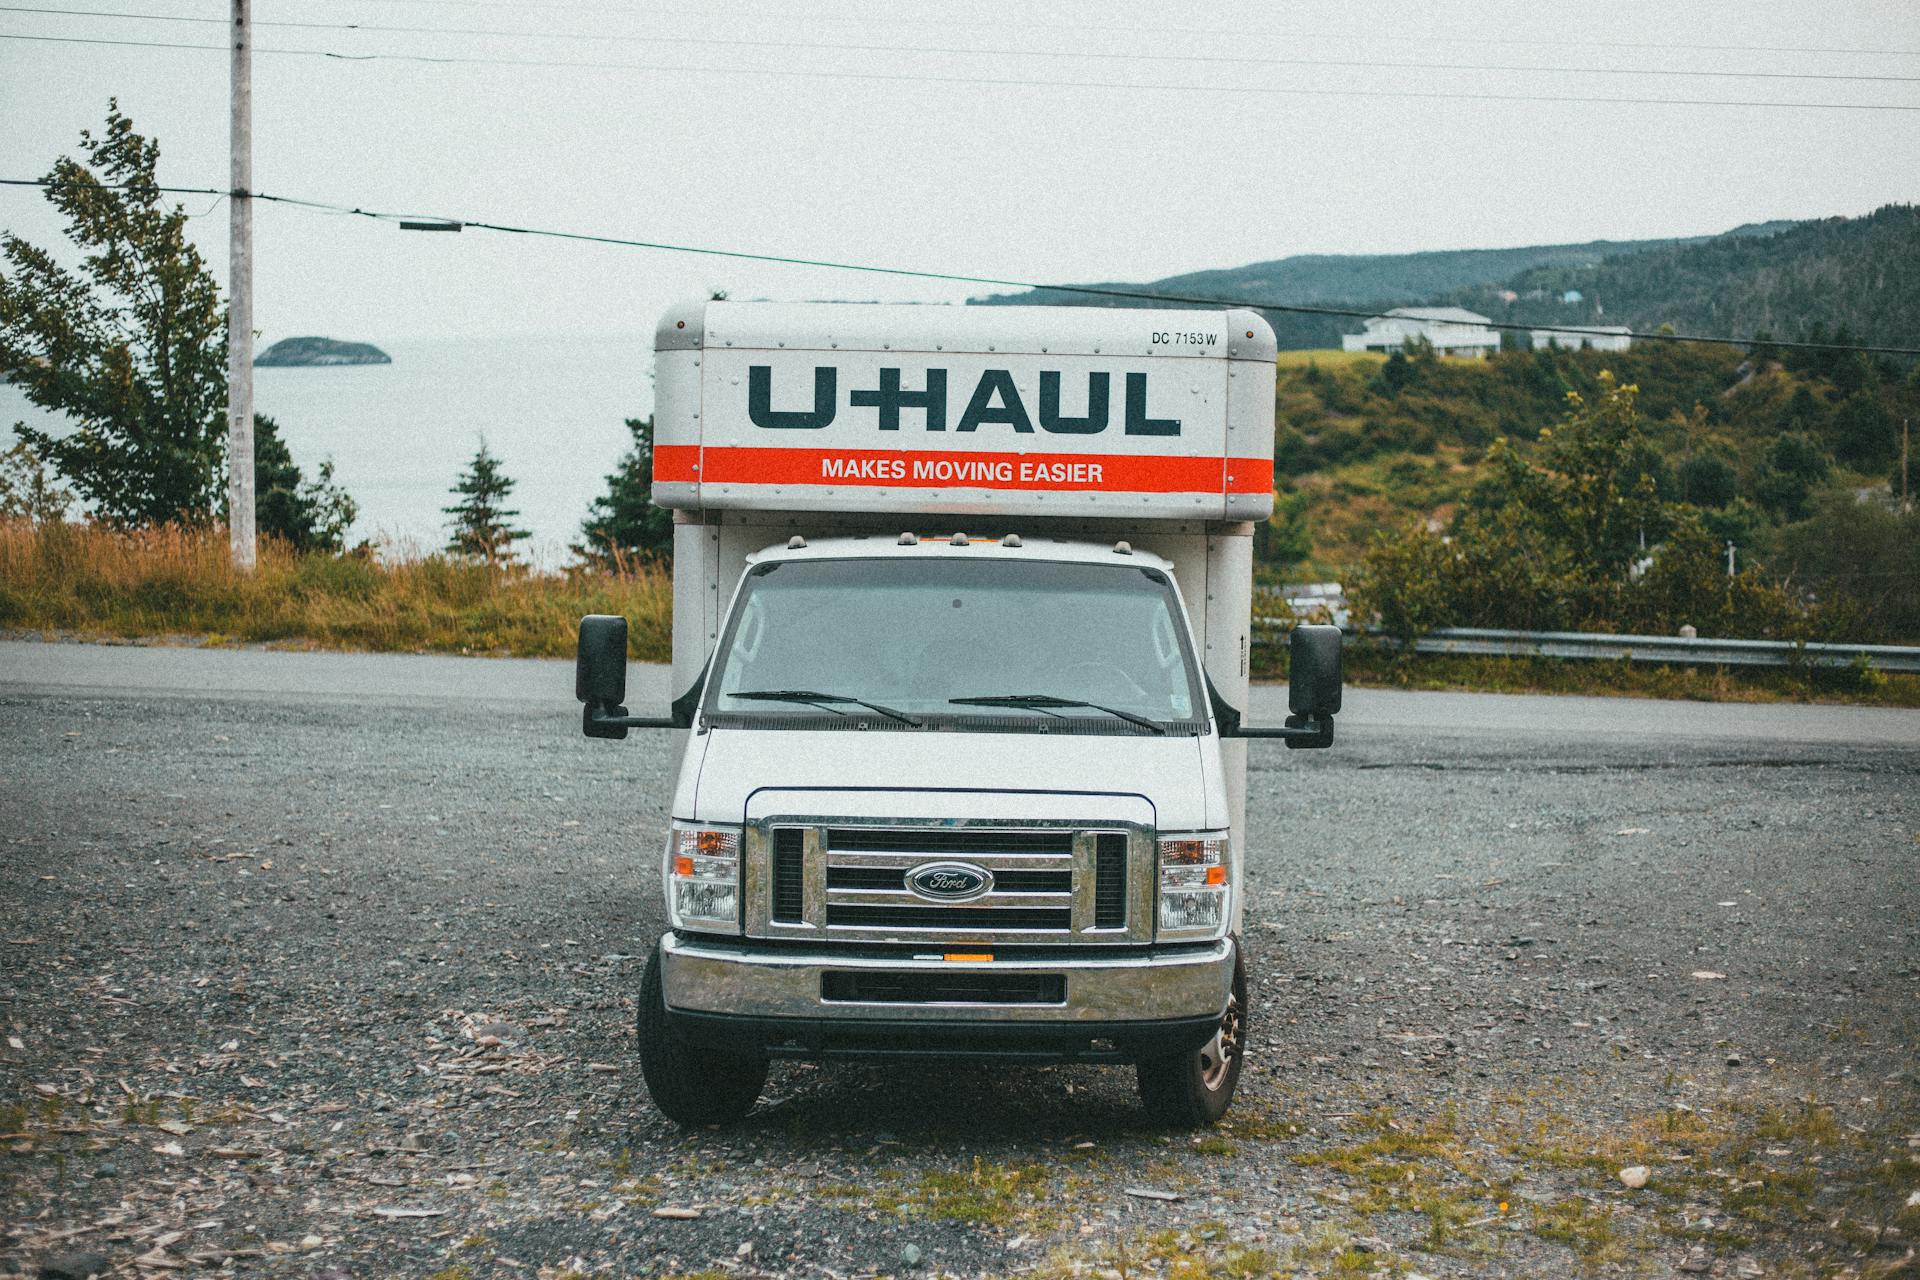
1218, 1054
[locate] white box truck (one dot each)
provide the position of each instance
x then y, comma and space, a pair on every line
960, 638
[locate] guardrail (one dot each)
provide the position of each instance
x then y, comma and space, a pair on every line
1674, 649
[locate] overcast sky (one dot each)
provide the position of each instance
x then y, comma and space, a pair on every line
910, 155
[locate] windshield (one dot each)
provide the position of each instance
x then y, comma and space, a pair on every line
943, 643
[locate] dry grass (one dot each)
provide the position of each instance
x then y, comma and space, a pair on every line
98, 583
95, 582
1328, 358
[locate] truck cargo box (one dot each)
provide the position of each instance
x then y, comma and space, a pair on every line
1013, 411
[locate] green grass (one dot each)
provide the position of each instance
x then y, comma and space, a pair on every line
1586, 1228
1208, 1252
984, 1194
1422, 1168
987, 1194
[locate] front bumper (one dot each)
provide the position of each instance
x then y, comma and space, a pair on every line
1101, 1007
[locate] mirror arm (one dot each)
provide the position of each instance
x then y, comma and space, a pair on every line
1299, 731
610, 720
617, 717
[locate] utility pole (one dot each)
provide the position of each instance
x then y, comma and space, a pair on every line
240, 530
1729, 557
1906, 495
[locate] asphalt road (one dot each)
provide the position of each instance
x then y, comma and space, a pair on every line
384, 680
326, 964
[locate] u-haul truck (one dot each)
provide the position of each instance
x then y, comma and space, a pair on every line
960, 642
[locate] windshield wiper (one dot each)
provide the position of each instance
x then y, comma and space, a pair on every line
823, 700
1042, 701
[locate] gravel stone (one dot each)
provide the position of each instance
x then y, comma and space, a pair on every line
323, 1008
75, 1266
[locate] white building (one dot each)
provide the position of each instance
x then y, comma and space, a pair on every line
1600, 337
1452, 331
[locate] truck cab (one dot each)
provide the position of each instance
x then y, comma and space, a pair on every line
957, 792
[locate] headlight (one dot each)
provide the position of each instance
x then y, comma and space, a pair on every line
1193, 886
703, 877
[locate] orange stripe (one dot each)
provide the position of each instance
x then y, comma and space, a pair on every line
938, 469
676, 462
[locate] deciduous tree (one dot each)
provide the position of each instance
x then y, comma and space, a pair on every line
25, 491
130, 346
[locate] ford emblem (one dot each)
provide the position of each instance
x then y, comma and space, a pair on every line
950, 881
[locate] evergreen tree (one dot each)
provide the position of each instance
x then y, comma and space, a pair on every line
1805, 413
131, 346
1708, 480
623, 523
482, 523
1283, 539
1864, 436
1396, 375
312, 515
1784, 484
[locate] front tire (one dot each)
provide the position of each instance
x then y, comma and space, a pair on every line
1192, 1089
692, 1083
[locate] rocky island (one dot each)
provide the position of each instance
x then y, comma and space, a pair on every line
311, 352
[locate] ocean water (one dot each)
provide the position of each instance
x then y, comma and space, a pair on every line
400, 434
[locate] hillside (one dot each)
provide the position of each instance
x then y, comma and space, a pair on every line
1775, 459
1371, 281
1860, 274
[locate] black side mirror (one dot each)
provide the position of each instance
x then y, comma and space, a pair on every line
600, 682
1313, 693
600, 675
1314, 679
600, 664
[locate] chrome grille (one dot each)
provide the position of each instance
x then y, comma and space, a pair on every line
1033, 874
1110, 883
789, 875
954, 842
841, 880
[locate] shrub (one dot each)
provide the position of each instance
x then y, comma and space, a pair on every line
1554, 542
1708, 481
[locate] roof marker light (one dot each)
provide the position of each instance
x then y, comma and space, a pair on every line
958, 539
909, 539
1123, 548
796, 542
1011, 540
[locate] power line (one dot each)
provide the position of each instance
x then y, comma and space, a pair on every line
1000, 81
1078, 54
1100, 291
1081, 28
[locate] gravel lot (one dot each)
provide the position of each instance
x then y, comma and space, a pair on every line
321, 966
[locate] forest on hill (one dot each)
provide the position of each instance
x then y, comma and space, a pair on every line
1785, 279
1359, 281
1792, 456
1854, 278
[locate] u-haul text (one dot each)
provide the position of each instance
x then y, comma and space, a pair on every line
980, 471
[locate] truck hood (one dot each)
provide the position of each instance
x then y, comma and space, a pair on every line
1178, 776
